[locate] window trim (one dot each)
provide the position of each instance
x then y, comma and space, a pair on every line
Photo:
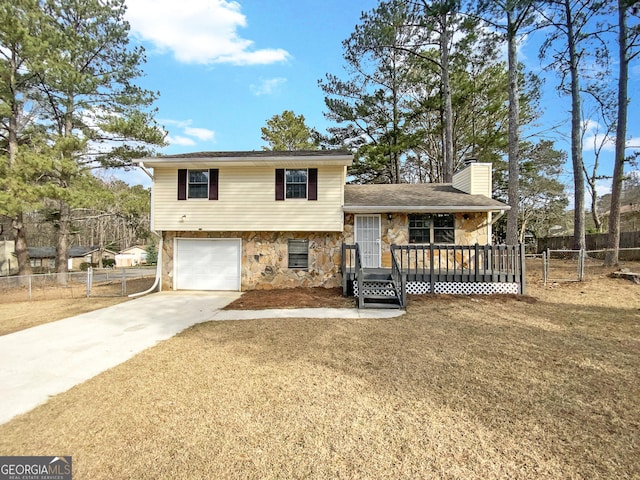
190, 183
281, 184
432, 229
213, 179
301, 256
287, 183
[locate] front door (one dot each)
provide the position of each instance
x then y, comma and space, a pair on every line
367, 235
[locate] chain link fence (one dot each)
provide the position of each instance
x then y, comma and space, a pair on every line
579, 265
92, 283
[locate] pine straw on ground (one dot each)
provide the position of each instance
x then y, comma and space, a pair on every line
292, 298
545, 386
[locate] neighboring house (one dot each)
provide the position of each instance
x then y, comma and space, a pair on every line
44, 258
262, 219
629, 217
132, 256
8, 260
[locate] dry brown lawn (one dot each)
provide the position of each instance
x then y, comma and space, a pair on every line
544, 386
20, 315
55, 303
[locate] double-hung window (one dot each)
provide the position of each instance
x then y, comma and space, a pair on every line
296, 183
298, 254
198, 184
438, 228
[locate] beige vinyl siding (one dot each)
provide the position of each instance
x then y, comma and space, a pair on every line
462, 180
247, 203
475, 179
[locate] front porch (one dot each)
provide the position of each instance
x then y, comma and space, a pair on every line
421, 269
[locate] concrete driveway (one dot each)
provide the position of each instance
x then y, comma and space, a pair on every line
49, 359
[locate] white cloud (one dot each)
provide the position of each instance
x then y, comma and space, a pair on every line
268, 86
633, 143
591, 126
179, 140
603, 187
198, 31
595, 137
200, 133
188, 136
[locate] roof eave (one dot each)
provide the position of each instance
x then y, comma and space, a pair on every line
268, 161
425, 208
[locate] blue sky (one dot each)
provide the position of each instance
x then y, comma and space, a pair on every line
223, 68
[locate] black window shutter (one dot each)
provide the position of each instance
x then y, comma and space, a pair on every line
182, 184
312, 181
279, 183
213, 184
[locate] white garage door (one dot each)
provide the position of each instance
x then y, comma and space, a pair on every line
207, 264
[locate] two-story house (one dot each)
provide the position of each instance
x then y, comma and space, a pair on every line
265, 219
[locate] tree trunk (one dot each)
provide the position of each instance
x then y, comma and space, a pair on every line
447, 167
21, 248
17, 222
579, 242
62, 242
613, 239
594, 211
514, 114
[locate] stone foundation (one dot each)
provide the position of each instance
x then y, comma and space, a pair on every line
265, 256
265, 259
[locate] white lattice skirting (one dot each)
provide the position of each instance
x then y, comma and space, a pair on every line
454, 288
367, 285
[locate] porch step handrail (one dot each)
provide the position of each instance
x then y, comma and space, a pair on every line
399, 281
359, 275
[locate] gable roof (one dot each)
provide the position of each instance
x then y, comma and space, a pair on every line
415, 197
251, 158
626, 209
74, 252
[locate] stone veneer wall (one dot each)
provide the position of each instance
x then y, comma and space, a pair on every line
469, 231
264, 262
265, 257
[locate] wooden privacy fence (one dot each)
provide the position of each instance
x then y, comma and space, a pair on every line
595, 241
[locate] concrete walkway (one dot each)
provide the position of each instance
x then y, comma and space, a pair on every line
49, 359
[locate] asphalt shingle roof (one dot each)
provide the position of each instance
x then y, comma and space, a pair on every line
419, 196
261, 154
50, 252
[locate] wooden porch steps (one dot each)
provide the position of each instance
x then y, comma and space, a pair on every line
378, 291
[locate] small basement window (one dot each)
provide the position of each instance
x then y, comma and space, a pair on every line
299, 254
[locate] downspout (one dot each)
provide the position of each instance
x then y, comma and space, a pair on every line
156, 282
